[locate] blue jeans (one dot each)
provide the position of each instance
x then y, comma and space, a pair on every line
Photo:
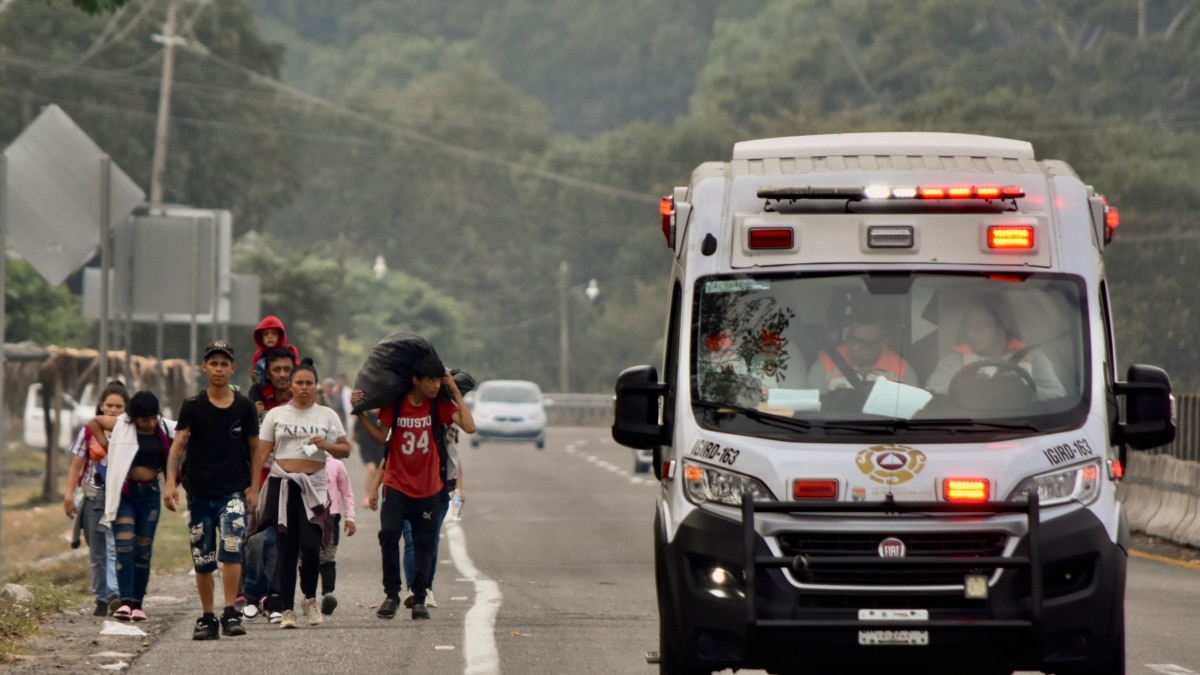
409, 557
137, 520
261, 558
101, 547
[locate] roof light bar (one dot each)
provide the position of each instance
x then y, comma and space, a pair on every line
857, 193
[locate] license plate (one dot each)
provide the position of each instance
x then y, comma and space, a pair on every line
893, 637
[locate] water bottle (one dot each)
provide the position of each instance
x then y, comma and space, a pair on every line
456, 504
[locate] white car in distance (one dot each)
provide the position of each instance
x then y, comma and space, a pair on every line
509, 410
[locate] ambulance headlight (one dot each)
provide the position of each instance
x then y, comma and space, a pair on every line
704, 483
1079, 483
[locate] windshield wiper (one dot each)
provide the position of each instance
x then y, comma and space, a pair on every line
756, 415
964, 424
947, 425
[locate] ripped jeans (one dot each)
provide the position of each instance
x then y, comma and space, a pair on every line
133, 529
222, 521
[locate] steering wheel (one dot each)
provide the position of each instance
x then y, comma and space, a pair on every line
969, 390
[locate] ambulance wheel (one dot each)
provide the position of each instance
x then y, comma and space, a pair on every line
672, 658
1114, 661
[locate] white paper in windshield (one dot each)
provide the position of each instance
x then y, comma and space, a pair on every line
795, 400
895, 399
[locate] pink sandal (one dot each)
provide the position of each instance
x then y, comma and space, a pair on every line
138, 615
123, 613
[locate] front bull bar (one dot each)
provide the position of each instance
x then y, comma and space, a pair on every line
755, 625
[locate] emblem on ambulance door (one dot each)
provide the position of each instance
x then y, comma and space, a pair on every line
890, 464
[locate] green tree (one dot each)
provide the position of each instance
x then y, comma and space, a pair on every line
41, 313
229, 145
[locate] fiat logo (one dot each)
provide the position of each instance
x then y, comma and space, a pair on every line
891, 548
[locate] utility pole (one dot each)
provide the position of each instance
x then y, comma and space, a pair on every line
564, 341
168, 40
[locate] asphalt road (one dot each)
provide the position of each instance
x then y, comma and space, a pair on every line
550, 571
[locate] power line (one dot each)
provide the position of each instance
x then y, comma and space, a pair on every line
429, 140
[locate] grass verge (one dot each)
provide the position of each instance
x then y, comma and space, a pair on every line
35, 551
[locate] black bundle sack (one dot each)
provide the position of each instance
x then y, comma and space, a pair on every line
462, 380
386, 375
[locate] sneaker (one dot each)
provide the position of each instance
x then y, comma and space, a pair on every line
206, 628
275, 617
287, 619
429, 601
137, 615
101, 608
122, 613
387, 610
408, 599
328, 603
311, 614
419, 612
231, 625
250, 611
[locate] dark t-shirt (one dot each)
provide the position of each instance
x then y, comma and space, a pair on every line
217, 462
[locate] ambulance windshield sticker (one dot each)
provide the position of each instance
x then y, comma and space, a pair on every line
890, 464
736, 285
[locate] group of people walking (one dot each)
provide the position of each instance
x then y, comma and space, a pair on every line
267, 494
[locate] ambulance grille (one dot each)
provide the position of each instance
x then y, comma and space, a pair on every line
955, 545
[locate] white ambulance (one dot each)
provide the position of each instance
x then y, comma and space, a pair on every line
889, 425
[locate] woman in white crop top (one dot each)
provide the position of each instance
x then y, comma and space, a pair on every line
295, 498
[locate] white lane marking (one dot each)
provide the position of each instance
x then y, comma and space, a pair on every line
479, 626
443, 648
1169, 668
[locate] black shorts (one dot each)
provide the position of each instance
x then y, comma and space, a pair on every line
371, 453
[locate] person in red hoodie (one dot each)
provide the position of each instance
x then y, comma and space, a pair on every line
269, 336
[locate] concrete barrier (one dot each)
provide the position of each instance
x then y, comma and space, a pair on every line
1161, 496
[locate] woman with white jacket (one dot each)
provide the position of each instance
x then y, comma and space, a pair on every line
137, 457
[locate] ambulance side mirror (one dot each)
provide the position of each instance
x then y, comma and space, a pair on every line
636, 408
1149, 408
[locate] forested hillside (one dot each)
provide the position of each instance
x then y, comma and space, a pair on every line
476, 145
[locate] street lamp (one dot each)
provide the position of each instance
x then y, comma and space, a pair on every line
564, 339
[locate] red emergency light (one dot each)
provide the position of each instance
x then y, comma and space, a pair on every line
954, 192
666, 208
1112, 220
966, 490
814, 489
771, 237
1010, 237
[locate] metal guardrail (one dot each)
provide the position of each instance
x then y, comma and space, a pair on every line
579, 410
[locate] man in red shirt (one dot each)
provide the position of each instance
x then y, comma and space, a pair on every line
414, 431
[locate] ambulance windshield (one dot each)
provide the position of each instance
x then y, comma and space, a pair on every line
924, 356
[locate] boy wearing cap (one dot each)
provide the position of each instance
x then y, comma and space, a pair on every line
211, 453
